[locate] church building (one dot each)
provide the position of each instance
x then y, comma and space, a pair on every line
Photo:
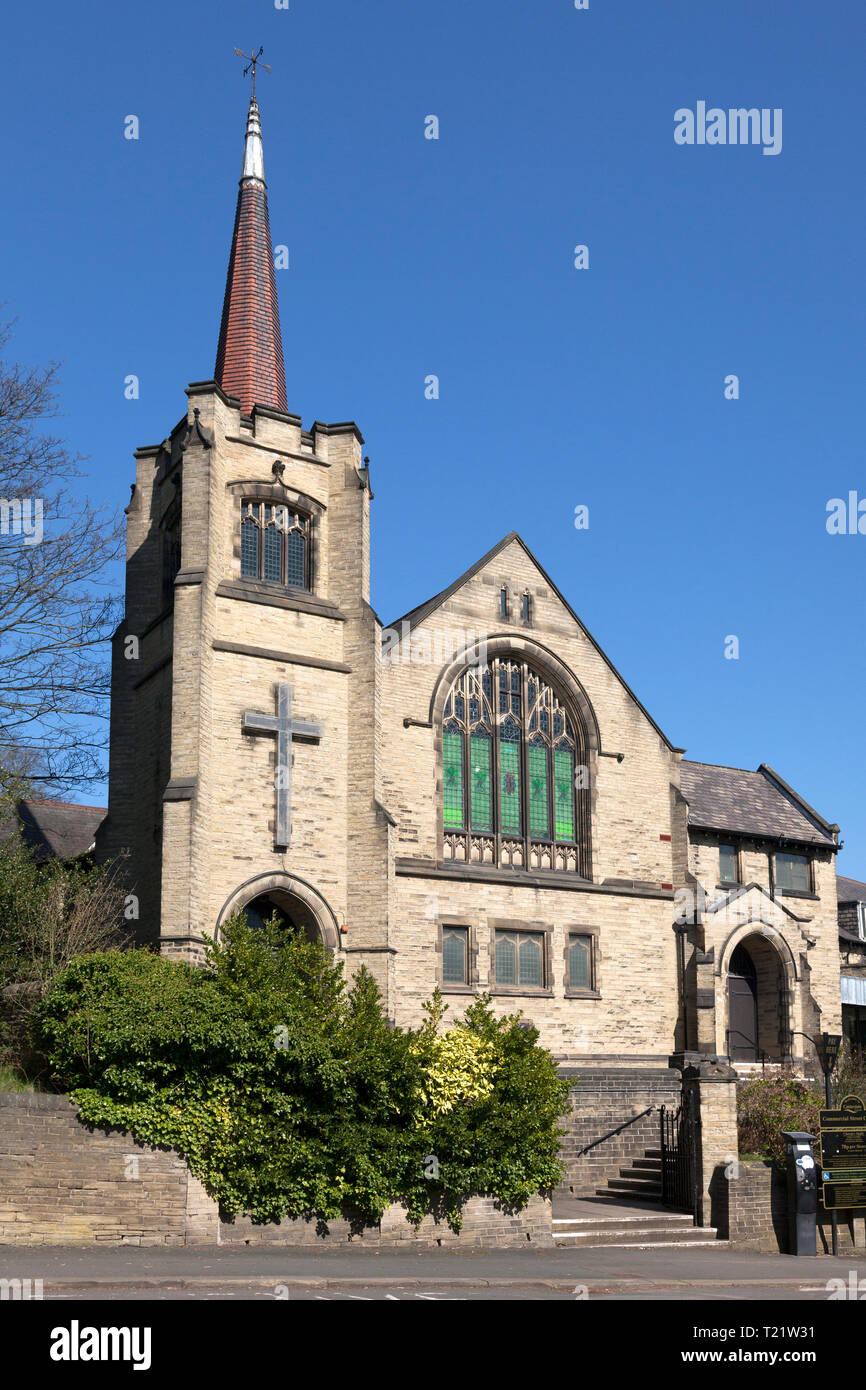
472, 796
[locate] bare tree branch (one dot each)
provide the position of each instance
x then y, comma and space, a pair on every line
56, 609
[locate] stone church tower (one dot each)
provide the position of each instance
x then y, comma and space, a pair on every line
248, 651
474, 798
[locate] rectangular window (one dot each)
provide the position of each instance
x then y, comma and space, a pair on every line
792, 871
526, 607
519, 959
728, 870
503, 603
580, 962
455, 955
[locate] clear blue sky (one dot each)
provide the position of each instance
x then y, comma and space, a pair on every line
454, 257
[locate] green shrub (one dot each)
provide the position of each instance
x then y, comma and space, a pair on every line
49, 913
503, 1139
289, 1093
849, 1074
766, 1106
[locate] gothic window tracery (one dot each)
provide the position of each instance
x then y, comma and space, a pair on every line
511, 751
275, 544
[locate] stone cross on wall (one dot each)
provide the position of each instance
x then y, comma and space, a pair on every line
286, 728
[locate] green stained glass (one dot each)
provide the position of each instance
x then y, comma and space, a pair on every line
480, 782
509, 779
452, 777
563, 791
539, 819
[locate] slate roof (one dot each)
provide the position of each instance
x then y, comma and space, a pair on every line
756, 803
57, 829
850, 890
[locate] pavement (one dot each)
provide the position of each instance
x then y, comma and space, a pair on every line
218, 1272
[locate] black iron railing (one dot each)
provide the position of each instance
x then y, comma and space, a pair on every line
679, 1149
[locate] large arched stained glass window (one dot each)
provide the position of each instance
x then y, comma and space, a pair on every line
511, 754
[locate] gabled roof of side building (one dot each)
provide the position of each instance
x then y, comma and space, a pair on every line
850, 890
56, 829
417, 615
759, 803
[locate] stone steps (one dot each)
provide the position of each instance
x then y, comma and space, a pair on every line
631, 1232
628, 1213
634, 1187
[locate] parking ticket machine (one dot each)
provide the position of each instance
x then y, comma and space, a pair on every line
802, 1193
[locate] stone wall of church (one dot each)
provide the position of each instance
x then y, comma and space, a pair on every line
634, 1006
805, 949
631, 800
229, 645
636, 833
606, 1099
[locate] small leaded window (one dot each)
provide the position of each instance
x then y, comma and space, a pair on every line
580, 962
792, 871
519, 959
275, 544
503, 603
510, 755
455, 955
526, 607
728, 872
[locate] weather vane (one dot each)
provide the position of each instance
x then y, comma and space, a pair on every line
252, 59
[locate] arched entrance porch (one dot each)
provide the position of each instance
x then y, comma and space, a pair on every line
759, 1001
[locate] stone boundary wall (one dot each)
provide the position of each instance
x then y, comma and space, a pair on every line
602, 1099
758, 1214
64, 1184
485, 1225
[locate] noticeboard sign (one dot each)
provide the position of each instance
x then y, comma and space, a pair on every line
843, 1155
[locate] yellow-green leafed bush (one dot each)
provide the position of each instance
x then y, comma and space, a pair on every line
459, 1069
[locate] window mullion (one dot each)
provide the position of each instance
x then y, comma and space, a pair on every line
496, 770
524, 763
467, 768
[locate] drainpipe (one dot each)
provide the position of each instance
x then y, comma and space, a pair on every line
681, 934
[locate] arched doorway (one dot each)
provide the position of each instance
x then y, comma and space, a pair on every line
291, 913
760, 1000
742, 1007
295, 901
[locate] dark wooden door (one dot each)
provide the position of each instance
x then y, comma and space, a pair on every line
742, 1007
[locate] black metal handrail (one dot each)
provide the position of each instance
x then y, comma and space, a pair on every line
595, 1143
763, 1057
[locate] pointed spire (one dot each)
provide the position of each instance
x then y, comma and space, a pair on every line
249, 361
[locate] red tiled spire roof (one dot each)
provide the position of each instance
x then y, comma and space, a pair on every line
249, 361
